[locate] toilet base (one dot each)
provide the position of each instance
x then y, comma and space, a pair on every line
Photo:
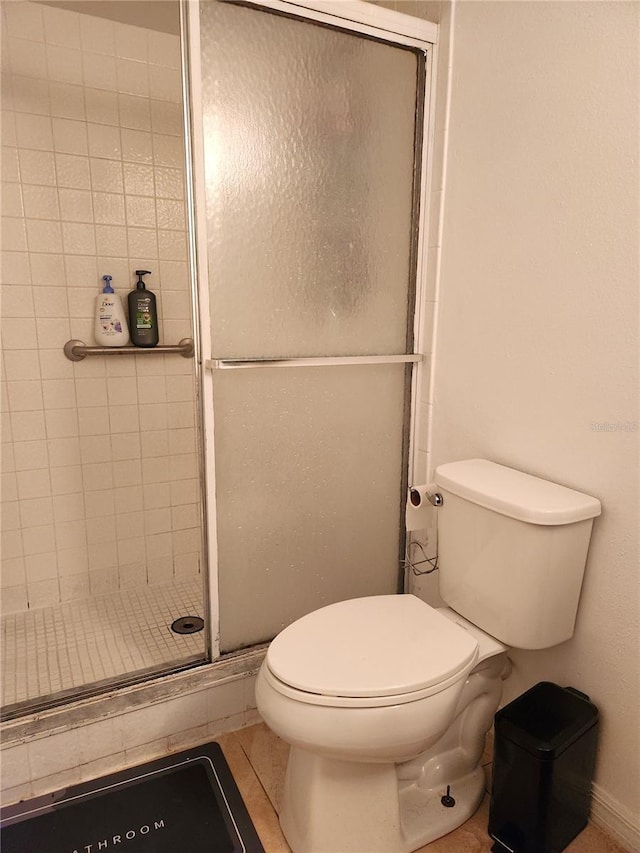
425, 818
332, 806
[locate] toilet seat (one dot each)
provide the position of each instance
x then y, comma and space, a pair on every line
370, 652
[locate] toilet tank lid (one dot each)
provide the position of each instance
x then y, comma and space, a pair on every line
383, 645
514, 493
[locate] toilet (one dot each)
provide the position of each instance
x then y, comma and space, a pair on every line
385, 701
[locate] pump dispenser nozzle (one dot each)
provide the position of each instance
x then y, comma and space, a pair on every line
107, 284
140, 282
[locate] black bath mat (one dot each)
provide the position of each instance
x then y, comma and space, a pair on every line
187, 801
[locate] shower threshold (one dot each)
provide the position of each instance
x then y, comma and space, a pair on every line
79, 648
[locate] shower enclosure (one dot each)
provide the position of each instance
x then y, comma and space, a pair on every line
312, 146
286, 239
101, 505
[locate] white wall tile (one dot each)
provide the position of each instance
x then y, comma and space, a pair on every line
157, 495
53, 332
12, 200
129, 498
13, 600
101, 106
10, 168
12, 545
99, 71
13, 572
68, 507
137, 146
108, 208
168, 151
69, 136
74, 588
30, 455
25, 395
41, 567
25, 20
155, 444
64, 64
27, 58
14, 233
37, 167
15, 267
53, 363
143, 242
73, 170
132, 77
30, 95
63, 451
165, 84
111, 241
67, 480
95, 448
121, 391
106, 175
44, 235
28, 425
135, 112
169, 182
61, 423
127, 446
17, 302
41, 202
104, 141
8, 128
76, 205
67, 101
43, 593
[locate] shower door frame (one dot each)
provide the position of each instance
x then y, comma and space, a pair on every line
361, 18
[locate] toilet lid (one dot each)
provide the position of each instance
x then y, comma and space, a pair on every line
377, 646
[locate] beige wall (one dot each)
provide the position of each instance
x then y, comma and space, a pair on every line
100, 483
537, 334
427, 10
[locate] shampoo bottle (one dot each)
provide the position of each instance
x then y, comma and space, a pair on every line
143, 315
110, 329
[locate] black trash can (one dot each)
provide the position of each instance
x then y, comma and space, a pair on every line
543, 762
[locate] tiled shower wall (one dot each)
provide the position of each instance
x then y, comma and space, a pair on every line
100, 482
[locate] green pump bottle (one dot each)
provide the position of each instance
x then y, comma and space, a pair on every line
143, 314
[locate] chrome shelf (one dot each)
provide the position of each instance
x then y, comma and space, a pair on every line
78, 350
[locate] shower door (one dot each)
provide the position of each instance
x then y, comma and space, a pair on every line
312, 137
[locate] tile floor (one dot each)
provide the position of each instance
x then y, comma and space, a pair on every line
258, 761
70, 645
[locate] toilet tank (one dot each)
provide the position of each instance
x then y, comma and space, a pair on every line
512, 550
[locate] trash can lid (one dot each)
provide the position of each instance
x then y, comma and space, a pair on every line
546, 719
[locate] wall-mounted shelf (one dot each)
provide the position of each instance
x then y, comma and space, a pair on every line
78, 350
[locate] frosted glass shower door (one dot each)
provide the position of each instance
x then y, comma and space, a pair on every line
311, 139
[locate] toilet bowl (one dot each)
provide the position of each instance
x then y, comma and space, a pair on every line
385, 701
362, 730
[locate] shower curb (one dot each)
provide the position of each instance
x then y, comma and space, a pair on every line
130, 697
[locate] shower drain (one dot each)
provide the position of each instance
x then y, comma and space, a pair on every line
187, 625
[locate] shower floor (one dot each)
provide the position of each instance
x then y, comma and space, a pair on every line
79, 643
